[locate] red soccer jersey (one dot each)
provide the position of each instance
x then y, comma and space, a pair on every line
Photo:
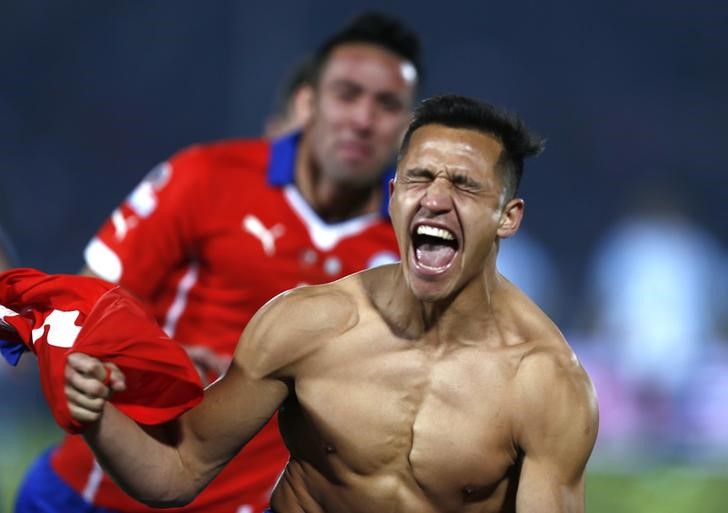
63, 314
206, 239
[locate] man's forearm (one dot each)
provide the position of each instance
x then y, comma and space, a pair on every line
146, 464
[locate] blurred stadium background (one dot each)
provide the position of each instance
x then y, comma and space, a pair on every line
625, 237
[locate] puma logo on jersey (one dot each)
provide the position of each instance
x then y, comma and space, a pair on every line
267, 237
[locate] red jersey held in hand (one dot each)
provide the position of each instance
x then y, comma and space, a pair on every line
54, 315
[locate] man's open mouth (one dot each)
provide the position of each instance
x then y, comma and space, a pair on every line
434, 247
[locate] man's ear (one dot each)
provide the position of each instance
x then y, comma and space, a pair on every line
303, 104
511, 218
391, 191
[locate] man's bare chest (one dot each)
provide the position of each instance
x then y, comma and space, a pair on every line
438, 419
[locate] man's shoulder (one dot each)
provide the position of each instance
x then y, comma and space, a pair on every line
527, 325
549, 377
236, 147
545, 359
550, 360
317, 308
295, 324
225, 156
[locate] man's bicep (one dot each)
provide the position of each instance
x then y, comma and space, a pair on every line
248, 401
542, 488
552, 473
233, 410
240, 403
557, 434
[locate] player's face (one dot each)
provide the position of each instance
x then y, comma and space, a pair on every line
448, 208
360, 110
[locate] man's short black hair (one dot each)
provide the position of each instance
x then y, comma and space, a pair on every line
300, 75
375, 28
462, 112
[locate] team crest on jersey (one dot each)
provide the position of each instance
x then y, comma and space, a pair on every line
266, 236
382, 258
143, 199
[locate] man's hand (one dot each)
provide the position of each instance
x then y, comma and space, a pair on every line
209, 364
89, 384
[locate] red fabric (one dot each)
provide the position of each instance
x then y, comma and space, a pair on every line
61, 314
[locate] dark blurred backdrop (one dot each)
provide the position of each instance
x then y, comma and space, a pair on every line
631, 95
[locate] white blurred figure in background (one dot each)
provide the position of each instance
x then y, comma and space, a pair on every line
657, 284
529, 265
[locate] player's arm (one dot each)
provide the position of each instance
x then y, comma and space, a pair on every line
556, 431
154, 230
169, 465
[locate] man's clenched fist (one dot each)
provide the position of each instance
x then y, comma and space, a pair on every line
89, 383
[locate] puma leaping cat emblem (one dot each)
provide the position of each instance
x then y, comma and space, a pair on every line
267, 237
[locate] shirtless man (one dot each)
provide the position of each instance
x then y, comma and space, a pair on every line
430, 385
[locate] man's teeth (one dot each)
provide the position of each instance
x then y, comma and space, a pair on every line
435, 232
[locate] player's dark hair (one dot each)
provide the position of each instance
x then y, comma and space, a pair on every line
375, 28
300, 75
461, 112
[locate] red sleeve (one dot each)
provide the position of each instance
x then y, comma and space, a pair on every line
153, 231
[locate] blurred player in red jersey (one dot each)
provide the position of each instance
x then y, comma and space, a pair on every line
217, 230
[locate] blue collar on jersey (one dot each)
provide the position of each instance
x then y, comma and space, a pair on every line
283, 160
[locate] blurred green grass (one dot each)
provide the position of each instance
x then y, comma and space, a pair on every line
665, 489
19, 451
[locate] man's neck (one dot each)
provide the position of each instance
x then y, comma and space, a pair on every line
332, 201
466, 315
